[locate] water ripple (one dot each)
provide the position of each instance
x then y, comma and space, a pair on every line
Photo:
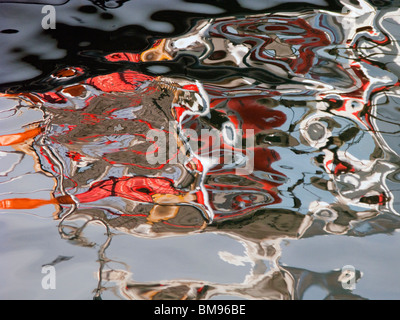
260, 126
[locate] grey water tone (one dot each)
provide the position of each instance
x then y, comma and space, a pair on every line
187, 150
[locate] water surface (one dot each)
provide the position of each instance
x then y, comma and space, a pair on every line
200, 150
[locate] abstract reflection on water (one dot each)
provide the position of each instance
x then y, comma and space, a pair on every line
301, 112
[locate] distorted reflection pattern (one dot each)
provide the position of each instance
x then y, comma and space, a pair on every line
301, 120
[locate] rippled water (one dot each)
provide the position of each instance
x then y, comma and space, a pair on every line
200, 150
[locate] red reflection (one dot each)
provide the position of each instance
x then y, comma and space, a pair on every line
134, 188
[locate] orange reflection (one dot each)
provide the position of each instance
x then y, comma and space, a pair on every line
16, 138
156, 53
25, 203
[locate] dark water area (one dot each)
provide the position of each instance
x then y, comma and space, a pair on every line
199, 150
